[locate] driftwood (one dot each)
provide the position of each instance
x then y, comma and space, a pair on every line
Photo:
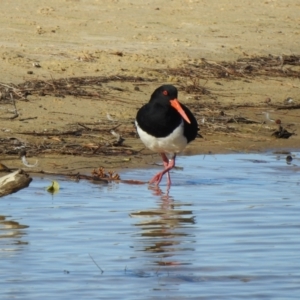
14, 182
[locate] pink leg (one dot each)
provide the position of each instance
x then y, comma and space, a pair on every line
168, 164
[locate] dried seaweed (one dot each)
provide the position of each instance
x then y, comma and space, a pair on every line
282, 133
70, 142
193, 77
83, 87
103, 174
272, 66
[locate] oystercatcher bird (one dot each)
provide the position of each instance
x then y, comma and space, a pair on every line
165, 126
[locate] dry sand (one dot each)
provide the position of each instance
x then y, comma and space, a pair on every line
87, 38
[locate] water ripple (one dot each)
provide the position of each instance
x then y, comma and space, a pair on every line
227, 229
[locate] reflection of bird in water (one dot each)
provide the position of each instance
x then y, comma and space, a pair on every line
163, 230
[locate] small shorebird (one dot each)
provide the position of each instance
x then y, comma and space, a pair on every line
165, 126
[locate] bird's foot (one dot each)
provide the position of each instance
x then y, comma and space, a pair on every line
157, 178
168, 164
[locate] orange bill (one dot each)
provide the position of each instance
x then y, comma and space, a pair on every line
177, 106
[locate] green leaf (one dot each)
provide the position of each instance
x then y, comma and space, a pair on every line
53, 188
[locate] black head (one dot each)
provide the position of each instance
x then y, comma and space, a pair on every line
166, 96
165, 92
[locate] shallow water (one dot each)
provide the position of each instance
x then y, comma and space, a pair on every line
229, 228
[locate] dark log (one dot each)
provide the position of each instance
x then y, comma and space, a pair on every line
14, 182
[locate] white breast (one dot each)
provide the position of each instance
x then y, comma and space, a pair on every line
173, 143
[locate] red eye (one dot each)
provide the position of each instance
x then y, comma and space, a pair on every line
165, 93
